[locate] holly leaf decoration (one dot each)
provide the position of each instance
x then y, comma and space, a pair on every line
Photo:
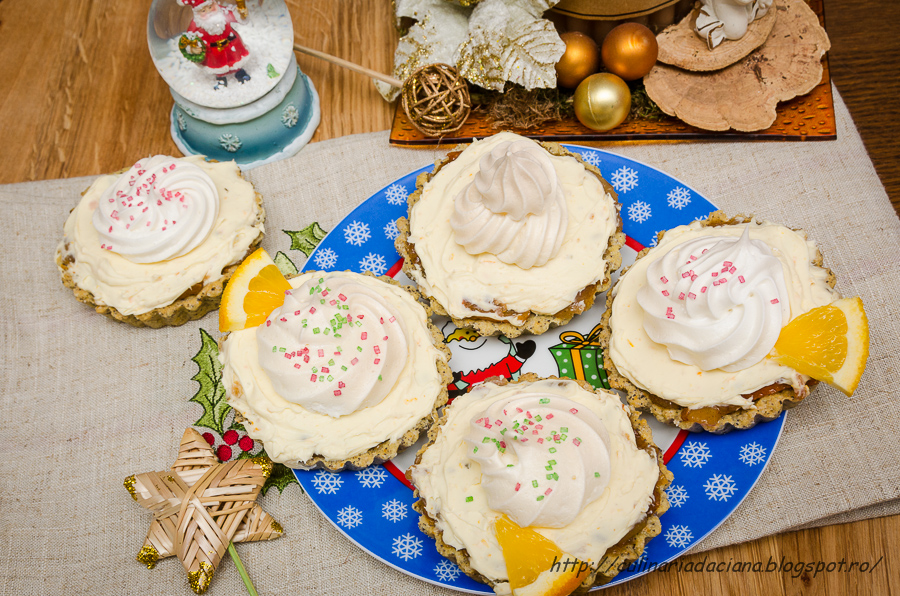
211, 394
306, 239
280, 477
285, 264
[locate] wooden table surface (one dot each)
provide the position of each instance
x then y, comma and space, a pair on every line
79, 96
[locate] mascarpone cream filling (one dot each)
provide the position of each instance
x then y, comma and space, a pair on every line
649, 366
136, 288
446, 477
452, 275
293, 434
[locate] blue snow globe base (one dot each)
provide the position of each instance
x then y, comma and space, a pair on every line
276, 126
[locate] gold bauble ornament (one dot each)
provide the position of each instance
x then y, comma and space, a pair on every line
581, 59
436, 100
602, 101
630, 51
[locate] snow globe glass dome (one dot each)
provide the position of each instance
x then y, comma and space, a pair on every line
230, 67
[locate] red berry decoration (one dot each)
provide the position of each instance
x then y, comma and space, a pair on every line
209, 438
230, 437
223, 452
246, 444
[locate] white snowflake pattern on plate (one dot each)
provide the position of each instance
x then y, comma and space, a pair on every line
447, 571
357, 233
591, 157
393, 510
679, 198
374, 263
655, 240
349, 517
639, 212
678, 536
406, 546
390, 230
327, 483
371, 477
624, 179
677, 495
720, 487
694, 454
395, 194
752, 454
325, 259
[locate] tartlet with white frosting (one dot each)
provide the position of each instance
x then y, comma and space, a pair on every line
346, 373
572, 463
153, 246
689, 326
508, 236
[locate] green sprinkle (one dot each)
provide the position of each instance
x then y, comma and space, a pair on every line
282, 349
359, 348
315, 369
331, 362
321, 281
515, 426
596, 474
343, 367
507, 465
469, 499
545, 400
540, 498
379, 377
553, 476
553, 450
503, 431
563, 437
548, 468
538, 418
321, 301
330, 378
534, 483
552, 462
321, 379
274, 348
564, 429
485, 439
327, 330
337, 334
316, 330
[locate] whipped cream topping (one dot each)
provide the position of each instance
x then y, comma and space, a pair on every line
473, 285
543, 458
136, 288
716, 302
514, 207
334, 347
648, 363
453, 484
292, 432
158, 210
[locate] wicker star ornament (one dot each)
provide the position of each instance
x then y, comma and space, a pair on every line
200, 506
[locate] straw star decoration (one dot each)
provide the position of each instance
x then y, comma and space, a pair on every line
200, 507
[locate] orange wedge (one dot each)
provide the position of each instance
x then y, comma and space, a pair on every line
535, 565
253, 292
829, 343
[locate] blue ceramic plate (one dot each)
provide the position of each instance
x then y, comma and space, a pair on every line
713, 473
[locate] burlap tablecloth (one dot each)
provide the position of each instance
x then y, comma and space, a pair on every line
87, 402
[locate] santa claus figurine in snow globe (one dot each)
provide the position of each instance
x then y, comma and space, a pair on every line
231, 69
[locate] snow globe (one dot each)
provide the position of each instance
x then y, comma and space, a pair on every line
230, 66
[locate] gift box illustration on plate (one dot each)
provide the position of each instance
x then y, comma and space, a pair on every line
580, 357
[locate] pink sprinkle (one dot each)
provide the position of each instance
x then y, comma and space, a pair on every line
518, 486
741, 279
503, 444
325, 293
114, 214
715, 274
663, 279
337, 392
342, 297
112, 200
324, 369
296, 312
377, 361
313, 378
703, 290
774, 301
165, 170
577, 442
681, 296
341, 384
685, 274
361, 317
479, 421
549, 416
528, 414
110, 227
392, 319
534, 432
141, 172
337, 353
129, 225
665, 293
523, 440
349, 318
312, 310
306, 359
716, 283
321, 353
727, 264
541, 441
692, 296
498, 422
385, 338
354, 361
164, 228
556, 437
364, 336
704, 251
332, 302
296, 365
381, 320
144, 210
723, 280
283, 320
694, 277
172, 167
519, 410
158, 202
548, 491
732, 270
539, 426
377, 350
574, 410
693, 258
670, 316
488, 425
268, 323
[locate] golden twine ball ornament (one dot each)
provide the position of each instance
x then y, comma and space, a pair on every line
630, 51
436, 99
602, 101
580, 60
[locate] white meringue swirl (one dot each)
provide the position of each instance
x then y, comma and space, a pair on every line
162, 208
543, 458
716, 303
514, 207
335, 346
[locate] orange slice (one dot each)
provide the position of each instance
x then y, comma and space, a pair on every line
829, 343
253, 292
535, 565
